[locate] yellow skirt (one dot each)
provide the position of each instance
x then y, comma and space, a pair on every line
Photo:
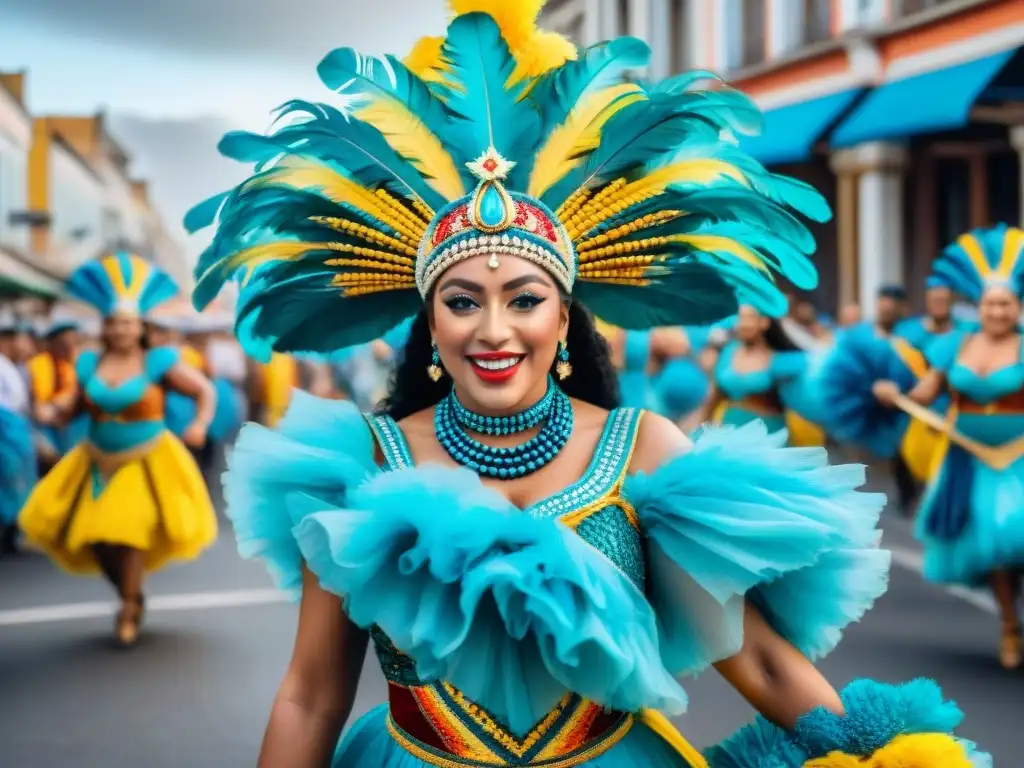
154, 500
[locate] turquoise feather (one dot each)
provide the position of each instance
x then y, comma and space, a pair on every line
486, 110
357, 77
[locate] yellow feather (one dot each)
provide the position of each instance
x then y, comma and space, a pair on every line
1013, 244
920, 750
541, 53
580, 134
718, 244
410, 138
426, 61
705, 171
974, 251
535, 51
300, 173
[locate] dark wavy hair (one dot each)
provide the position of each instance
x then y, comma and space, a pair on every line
593, 378
777, 338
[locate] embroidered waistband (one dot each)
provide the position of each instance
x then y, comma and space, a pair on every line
437, 724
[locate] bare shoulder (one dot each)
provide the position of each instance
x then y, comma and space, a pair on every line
658, 439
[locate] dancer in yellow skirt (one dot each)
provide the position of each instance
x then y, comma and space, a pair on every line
130, 498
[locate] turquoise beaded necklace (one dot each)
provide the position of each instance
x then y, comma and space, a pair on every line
453, 422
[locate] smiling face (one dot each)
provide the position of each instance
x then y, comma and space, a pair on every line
999, 311
122, 332
750, 325
497, 331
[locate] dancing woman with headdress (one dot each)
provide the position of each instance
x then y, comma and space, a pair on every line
129, 499
534, 564
760, 376
971, 520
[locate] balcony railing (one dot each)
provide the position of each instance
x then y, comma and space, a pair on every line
902, 8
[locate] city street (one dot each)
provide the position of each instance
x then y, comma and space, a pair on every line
197, 689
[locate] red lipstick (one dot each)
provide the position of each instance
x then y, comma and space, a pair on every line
492, 375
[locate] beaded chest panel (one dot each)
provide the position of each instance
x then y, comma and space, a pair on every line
432, 719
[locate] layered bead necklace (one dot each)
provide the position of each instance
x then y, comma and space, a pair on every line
453, 422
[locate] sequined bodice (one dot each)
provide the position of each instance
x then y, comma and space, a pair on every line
593, 506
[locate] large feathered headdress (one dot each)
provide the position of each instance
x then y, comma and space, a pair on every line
121, 283
500, 139
981, 258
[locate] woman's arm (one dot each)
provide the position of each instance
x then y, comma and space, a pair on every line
191, 383
774, 677
925, 392
668, 344
316, 695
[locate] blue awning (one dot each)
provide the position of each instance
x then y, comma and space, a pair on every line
934, 101
791, 132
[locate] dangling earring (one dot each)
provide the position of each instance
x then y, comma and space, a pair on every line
434, 370
563, 367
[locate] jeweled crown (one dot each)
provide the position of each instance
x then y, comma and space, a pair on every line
493, 221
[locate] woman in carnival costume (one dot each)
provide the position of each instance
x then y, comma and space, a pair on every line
130, 498
841, 385
971, 519
17, 445
493, 186
760, 376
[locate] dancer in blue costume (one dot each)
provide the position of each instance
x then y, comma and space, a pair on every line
682, 384
17, 448
534, 564
129, 498
759, 376
972, 515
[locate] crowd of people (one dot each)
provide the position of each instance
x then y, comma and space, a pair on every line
526, 290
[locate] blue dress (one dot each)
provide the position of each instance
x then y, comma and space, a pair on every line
549, 635
17, 463
971, 520
765, 394
634, 382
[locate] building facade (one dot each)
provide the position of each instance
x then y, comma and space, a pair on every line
907, 114
17, 271
86, 201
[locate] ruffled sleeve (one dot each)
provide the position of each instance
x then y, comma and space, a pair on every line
514, 611
739, 518
160, 360
320, 450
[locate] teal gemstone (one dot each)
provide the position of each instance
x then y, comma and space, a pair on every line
492, 207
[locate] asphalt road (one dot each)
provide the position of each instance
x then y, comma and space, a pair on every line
197, 689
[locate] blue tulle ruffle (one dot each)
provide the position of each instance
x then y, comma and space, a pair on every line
742, 517
320, 448
514, 611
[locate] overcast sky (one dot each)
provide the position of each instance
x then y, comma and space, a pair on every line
194, 58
